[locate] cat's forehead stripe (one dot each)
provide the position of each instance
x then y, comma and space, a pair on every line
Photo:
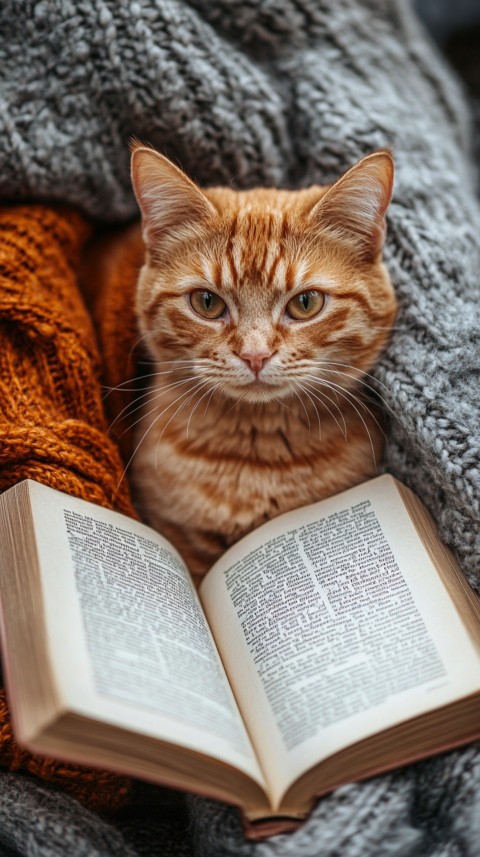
255, 243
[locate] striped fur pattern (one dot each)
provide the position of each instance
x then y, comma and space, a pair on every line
256, 411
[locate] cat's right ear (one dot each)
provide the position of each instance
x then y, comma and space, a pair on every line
353, 209
168, 199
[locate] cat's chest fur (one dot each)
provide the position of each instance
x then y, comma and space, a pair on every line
233, 472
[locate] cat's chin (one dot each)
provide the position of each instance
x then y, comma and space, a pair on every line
257, 394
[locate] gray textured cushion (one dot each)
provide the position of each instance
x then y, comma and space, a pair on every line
288, 92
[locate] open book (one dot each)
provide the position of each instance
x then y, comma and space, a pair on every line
336, 641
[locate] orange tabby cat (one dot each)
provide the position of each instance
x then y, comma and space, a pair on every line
262, 310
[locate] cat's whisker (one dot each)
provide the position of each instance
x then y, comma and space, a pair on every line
361, 381
283, 404
126, 412
178, 360
144, 435
236, 403
324, 396
315, 409
363, 374
397, 328
138, 389
141, 338
158, 394
347, 394
172, 417
217, 385
342, 391
146, 415
135, 450
351, 399
152, 361
196, 406
121, 388
303, 406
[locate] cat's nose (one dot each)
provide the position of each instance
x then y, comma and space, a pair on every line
256, 359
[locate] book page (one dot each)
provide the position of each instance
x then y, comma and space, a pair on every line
334, 624
127, 634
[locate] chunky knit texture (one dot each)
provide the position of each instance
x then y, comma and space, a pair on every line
287, 92
52, 425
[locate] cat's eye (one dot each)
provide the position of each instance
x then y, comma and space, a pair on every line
305, 305
207, 304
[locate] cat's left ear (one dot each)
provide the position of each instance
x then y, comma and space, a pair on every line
354, 208
168, 199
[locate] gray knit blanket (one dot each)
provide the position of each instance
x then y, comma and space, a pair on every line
285, 92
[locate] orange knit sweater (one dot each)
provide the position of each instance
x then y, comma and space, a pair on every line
52, 425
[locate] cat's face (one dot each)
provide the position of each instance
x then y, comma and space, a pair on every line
264, 294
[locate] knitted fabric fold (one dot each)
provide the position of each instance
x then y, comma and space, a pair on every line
52, 425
